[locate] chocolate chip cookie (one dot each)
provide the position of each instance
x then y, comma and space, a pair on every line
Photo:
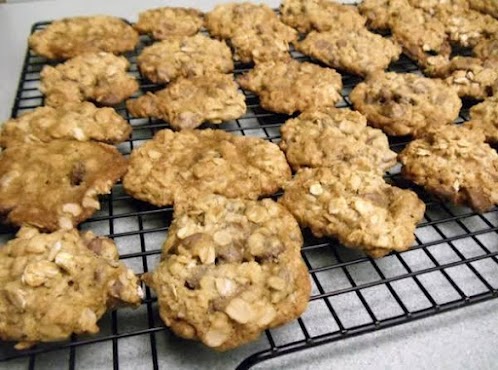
69, 37
320, 15
55, 185
188, 56
77, 121
188, 102
167, 21
54, 285
356, 206
320, 138
456, 164
205, 161
288, 87
231, 269
404, 103
100, 77
360, 52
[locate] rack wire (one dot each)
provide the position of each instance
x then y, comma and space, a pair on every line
453, 264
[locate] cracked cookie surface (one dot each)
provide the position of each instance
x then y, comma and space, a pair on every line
67, 38
323, 137
231, 269
100, 77
166, 22
188, 102
404, 103
456, 164
360, 53
356, 206
54, 285
320, 15
55, 185
288, 87
189, 56
78, 121
205, 161
470, 77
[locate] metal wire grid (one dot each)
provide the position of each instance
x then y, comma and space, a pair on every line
452, 264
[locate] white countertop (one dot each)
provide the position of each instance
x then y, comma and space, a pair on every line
462, 339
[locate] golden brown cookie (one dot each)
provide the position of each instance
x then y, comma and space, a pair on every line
168, 21
380, 13
487, 48
403, 103
356, 206
484, 118
188, 102
100, 77
69, 37
188, 56
320, 138
288, 87
320, 15
231, 269
485, 6
77, 121
54, 285
455, 164
213, 161
361, 52
55, 185
470, 77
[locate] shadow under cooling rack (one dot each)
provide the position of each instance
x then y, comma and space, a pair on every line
452, 264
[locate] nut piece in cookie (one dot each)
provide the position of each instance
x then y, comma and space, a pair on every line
188, 102
254, 31
69, 37
356, 206
77, 121
403, 103
55, 185
320, 15
288, 87
231, 269
484, 118
54, 285
360, 52
167, 22
100, 77
323, 137
485, 6
471, 77
205, 160
188, 56
455, 164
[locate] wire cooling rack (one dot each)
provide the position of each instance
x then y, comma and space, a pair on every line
452, 264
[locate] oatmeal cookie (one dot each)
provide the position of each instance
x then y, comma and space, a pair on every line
188, 102
456, 164
487, 48
379, 14
484, 118
231, 269
360, 53
188, 56
54, 285
69, 37
356, 206
77, 121
321, 15
55, 185
100, 77
204, 160
167, 22
485, 6
288, 87
471, 77
403, 103
320, 138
